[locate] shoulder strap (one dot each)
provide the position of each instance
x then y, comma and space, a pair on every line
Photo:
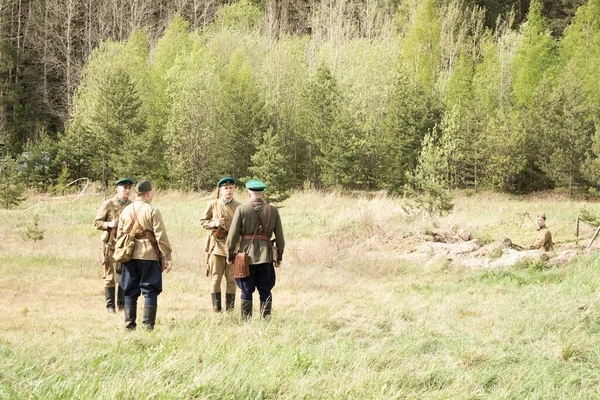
268, 219
136, 224
150, 234
255, 229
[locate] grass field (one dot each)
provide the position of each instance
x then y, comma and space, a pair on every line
350, 318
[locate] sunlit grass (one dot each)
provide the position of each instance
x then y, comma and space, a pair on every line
350, 319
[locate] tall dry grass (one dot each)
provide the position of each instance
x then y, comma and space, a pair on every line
350, 318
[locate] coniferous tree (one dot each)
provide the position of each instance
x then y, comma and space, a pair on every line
320, 115
12, 188
270, 164
564, 123
411, 113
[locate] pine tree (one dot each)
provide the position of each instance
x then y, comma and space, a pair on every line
117, 123
12, 187
428, 184
33, 231
270, 164
564, 122
411, 113
320, 118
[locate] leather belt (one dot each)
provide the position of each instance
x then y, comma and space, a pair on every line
255, 237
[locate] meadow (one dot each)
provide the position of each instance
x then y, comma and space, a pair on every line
351, 318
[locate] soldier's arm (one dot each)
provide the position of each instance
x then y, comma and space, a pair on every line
279, 239
547, 238
161, 234
100, 222
206, 220
234, 233
538, 243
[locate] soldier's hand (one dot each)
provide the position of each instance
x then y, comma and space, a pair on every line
279, 264
167, 266
218, 222
113, 223
229, 261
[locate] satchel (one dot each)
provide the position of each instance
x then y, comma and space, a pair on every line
241, 265
126, 243
274, 252
124, 248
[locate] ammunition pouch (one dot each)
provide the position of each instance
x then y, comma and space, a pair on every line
219, 233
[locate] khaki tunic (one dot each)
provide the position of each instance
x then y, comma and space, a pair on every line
217, 247
109, 211
150, 219
215, 210
544, 240
244, 223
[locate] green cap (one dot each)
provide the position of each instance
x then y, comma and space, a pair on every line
255, 185
124, 181
226, 181
143, 187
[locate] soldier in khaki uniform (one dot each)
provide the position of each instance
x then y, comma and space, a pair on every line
544, 239
217, 218
250, 218
142, 274
107, 220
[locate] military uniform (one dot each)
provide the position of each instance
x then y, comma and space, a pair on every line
142, 274
110, 211
544, 240
262, 273
216, 248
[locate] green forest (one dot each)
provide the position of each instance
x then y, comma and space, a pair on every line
390, 95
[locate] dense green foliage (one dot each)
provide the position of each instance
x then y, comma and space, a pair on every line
346, 103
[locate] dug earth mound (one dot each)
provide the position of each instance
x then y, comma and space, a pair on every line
461, 250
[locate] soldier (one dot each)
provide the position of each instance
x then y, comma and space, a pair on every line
255, 222
544, 239
143, 273
107, 220
217, 218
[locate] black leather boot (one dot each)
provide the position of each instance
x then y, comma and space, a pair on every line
149, 317
120, 299
229, 301
246, 306
265, 309
130, 316
216, 301
109, 294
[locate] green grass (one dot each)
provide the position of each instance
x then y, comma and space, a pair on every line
350, 320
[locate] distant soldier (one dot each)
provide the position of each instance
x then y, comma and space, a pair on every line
217, 218
254, 223
544, 239
107, 220
143, 273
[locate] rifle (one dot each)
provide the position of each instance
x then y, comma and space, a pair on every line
111, 238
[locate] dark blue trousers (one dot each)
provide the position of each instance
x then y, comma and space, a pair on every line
262, 277
141, 276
